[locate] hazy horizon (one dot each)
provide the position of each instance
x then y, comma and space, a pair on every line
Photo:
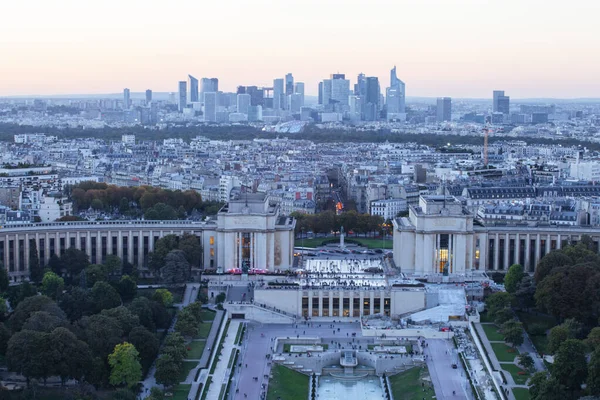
456, 48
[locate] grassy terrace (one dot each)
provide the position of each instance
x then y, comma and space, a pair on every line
185, 370
407, 385
514, 372
196, 348
287, 384
521, 393
504, 353
180, 392
371, 243
492, 332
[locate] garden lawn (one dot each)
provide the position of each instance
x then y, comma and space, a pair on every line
491, 331
181, 392
196, 348
514, 371
521, 393
502, 354
206, 315
185, 370
371, 243
287, 384
407, 385
203, 330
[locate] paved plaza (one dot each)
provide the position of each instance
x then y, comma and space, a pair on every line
258, 344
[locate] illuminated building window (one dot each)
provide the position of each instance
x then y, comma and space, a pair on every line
211, 241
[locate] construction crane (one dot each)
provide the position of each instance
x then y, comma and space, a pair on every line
487, 130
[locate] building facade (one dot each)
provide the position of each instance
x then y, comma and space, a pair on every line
441, 236
242, 236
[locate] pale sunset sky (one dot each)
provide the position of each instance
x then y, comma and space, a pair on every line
457, 48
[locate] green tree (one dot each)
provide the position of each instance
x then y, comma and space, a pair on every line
503, 315
536, 382
593, 378
30, 305
102, 333
112, 264
167, 370
142, 307
124, 394
550, 261
95, 273
551, 389
36, 271
127, 288
191, 247
104, 296
52, 285
526, 361
497, 302
570, 292
513, 277
513, 332
4, 337
125, 366
570, 365
146, 344
175, 346
4, 281
176, 269
16, 294
27, 354
156, 394
524, 295
593, 339
74, 261
97, 204
124, 205
70, 356
161, 248
557, 336
163, 296
186, 323
76, 303
43, 321
55, 264
124, 317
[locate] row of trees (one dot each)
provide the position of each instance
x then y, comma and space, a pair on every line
565, 286
87, 334
329, 221
144, 199
246, 132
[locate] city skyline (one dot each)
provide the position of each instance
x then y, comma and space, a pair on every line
463, 50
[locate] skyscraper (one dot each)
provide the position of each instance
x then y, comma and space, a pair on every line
501, 103
126, 99
444, 109
278, 94
289, 84
210, 106
340, 90
299, 89
243, 103
360, 88
372, 98
182, 95
400, 87
193, 89
295, 102
320, 92
148, 96
208, 85
326, 92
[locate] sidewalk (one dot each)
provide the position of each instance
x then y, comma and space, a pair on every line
210, 344
496, 365
222, 372
190, 295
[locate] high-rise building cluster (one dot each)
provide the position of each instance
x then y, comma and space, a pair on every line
339, 100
